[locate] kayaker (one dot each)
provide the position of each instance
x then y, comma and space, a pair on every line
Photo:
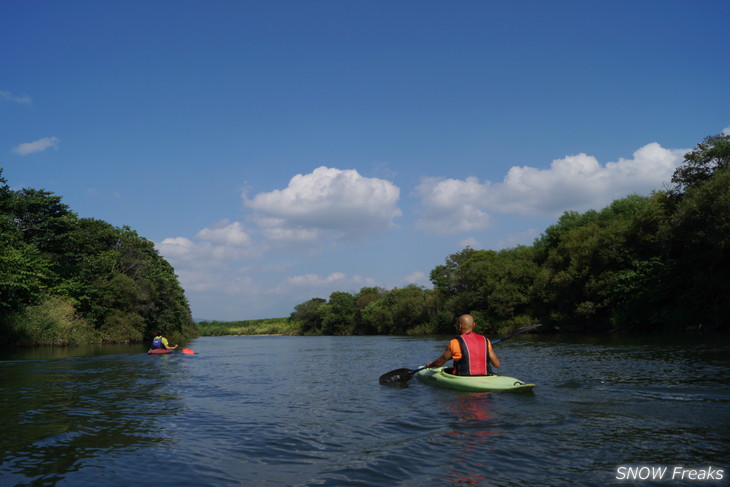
161, 342
472, 353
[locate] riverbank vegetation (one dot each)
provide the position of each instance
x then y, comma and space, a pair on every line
66, 280
644, 263
271, 326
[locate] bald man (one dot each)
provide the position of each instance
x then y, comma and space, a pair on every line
472, 353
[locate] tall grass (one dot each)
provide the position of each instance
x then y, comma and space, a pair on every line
271, 326
52, 322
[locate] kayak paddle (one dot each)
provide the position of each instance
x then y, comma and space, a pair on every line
515, 333
404, 375
187, 351
399, 375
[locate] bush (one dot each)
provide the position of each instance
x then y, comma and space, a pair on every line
52, 322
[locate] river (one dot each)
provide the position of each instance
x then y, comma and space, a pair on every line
309, 411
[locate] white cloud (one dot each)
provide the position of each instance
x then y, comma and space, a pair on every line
37, 146
339, 203
576, 182
276, 231
226, 233
208, 266
726, 131
24, 100
177, 248
580, 182
309, 280
452, 205
204, 281
216, 246
310, 284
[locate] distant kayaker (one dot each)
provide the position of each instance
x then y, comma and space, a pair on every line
161, 342
472, 353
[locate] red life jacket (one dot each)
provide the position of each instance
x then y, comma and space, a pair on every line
474, 355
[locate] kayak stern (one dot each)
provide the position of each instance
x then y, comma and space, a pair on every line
438, 377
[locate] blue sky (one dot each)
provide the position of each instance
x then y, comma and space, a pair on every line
278, 151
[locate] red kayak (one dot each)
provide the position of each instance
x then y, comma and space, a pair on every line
158, 351
186, 351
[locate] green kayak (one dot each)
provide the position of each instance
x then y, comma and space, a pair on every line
439, 378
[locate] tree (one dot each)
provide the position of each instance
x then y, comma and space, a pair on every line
583, 259
697, 244
363, 298
710, 155
113, 279
308, 315
339, 314
24, 276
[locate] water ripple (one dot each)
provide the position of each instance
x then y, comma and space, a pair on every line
315, 415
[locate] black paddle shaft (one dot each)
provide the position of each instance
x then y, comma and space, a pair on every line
515, 333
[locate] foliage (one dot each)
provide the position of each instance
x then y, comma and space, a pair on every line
108, 278
643, 263
51, 322
272, 326
710, 156
370, 311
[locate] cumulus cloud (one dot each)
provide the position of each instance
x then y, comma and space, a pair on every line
217, 245
7, 96
726, 131
579, 182
37, 146
310, 280
321, 284
177, 248
452, 205
327, 201
226, 233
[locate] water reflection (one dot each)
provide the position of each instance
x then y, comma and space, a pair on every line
59, 413
472, 435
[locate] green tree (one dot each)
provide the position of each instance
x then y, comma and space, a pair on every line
401, 310
338, 316
24, 275
697, 245
363, 298
583, 259
67, 273
25, 272
710, 155
308, 314
495, 286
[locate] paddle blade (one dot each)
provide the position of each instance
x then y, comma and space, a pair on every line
187, 351
397, 376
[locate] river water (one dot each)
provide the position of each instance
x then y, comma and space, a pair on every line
309, 411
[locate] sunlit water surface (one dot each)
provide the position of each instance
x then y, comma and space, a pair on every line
305, 411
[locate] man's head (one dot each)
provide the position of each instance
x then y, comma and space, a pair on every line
465, 324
